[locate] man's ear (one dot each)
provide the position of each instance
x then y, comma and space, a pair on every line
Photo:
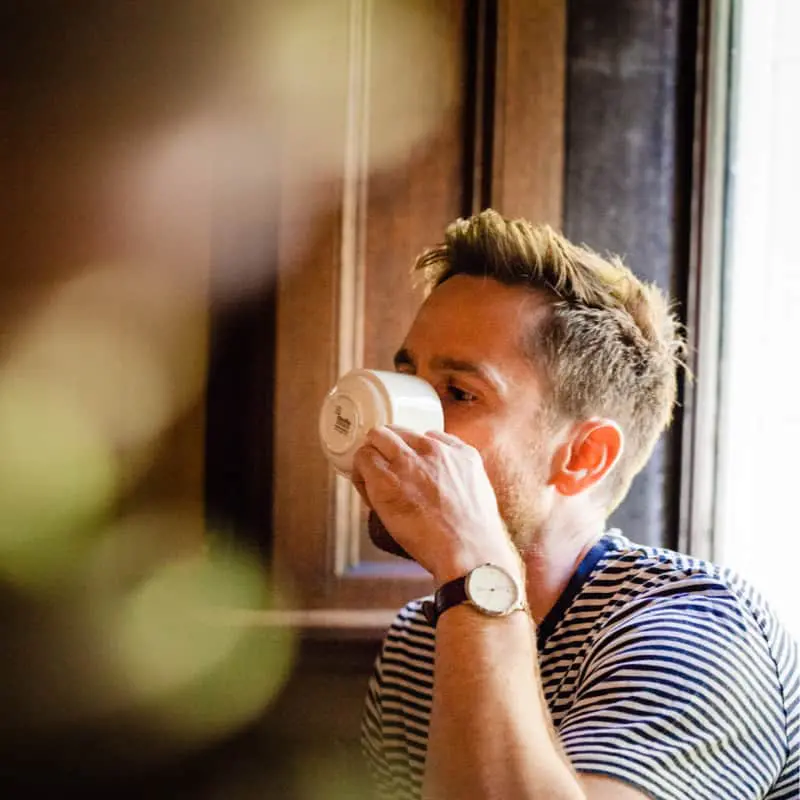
594, 447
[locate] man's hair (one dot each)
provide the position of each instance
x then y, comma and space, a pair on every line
610, 345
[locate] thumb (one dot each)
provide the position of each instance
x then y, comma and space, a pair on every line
357, 479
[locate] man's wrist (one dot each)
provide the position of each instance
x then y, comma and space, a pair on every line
493, 585
463, 563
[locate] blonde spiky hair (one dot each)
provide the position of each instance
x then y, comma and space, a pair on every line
610, 347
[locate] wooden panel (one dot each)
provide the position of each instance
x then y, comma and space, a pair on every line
529, 110
350, 301
408, 211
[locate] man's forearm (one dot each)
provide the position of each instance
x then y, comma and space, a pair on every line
490, 733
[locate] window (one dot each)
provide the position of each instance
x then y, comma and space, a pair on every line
746, 407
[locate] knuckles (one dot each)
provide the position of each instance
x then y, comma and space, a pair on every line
472, 454
425, 446
373, 435
364, 457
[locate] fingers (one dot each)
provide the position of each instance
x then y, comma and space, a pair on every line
446, 438
360, 486
372, 462
383, 458
392, 442
423, 443
450, 441
367, 463
388, 449
370, 469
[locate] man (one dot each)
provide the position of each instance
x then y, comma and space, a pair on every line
584, 666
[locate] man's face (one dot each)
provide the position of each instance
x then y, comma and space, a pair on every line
467, 341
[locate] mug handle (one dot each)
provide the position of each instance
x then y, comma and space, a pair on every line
382, 539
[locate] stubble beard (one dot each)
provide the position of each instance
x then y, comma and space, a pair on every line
519, 488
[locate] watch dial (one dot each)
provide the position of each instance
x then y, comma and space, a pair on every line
492, 589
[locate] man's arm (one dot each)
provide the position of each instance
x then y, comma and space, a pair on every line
490, 734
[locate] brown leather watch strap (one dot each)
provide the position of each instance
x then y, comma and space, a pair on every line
449, 594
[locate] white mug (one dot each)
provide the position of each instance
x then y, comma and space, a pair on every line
364, 399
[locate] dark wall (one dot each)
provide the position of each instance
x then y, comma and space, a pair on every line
630, 94
238, 484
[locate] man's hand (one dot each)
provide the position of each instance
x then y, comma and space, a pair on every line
435, 499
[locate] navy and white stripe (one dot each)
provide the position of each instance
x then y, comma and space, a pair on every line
660, 670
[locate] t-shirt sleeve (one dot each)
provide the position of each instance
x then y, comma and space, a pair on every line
680, 698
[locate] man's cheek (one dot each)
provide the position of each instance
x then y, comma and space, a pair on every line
468, 431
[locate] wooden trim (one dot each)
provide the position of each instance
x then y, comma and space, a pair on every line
530, 102
337, 623
704, 291
352, 263
481, 57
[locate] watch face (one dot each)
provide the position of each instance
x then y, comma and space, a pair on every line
492, 589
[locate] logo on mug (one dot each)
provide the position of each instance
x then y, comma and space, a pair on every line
342, 424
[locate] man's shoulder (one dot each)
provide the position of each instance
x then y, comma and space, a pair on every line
659, 571
658, 579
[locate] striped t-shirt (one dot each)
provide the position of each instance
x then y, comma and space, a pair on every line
662, 671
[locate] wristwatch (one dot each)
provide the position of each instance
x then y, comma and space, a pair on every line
491, 589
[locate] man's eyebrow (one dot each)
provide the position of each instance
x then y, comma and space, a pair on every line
489, 376
445, 363
403, 358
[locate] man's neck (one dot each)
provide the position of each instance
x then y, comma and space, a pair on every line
550, 563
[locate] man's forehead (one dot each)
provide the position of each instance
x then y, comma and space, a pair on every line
476, 314
474, 320
483, 294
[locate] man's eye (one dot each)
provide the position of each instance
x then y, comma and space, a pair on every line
459, 395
